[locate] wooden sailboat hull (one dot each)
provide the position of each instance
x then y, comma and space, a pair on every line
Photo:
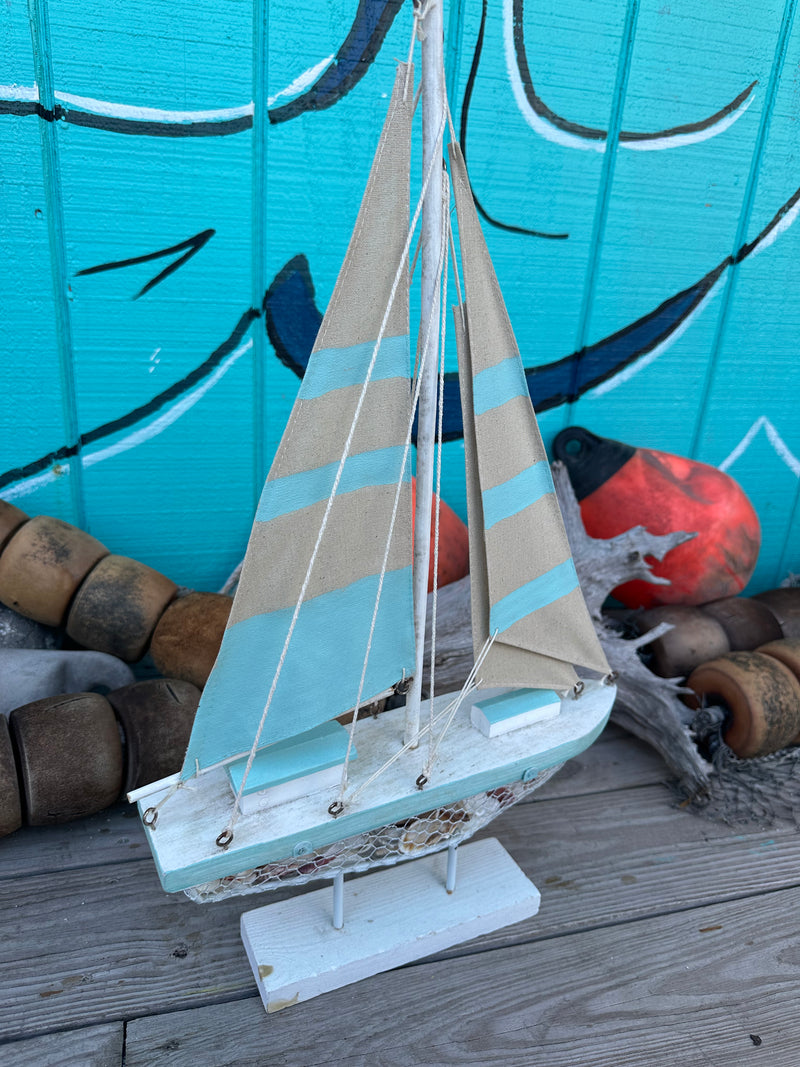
184, 840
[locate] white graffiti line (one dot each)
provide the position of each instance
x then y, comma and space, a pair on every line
645, 361
781, 448
136, 437
574, 140
109, 109
779, 228
301, 81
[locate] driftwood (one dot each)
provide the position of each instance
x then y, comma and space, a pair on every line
646, 705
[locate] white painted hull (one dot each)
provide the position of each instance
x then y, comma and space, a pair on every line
184, 841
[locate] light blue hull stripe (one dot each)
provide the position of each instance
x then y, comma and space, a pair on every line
498, 384
335, 368
296, 491
513, 496
321, 672
533, 595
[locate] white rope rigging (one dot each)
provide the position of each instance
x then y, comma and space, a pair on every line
392, 523
227, 834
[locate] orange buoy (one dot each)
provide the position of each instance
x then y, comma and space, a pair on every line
619, 486
453, 542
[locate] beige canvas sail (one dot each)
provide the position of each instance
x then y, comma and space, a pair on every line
524, 586
315, 657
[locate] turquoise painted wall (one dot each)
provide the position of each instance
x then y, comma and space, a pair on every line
163, 166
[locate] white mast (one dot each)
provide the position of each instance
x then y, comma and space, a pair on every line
433, 96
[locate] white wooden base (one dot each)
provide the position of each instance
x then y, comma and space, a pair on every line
391, 917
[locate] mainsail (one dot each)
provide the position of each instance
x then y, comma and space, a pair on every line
523, 581
321, 667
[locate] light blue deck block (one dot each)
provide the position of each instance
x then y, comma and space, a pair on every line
509, 711
297, 757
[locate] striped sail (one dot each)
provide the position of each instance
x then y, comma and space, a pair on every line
524, 585
323, 663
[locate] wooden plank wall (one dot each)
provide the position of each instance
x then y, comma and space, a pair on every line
661, 138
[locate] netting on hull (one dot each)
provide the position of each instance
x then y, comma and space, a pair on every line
428, 832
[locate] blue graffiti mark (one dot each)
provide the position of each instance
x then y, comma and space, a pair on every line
371, 24
293, 319
563, 381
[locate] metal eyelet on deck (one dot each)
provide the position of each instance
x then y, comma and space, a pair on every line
422, 781
225, 838
577, 689
336, 808
611, 677
150, 818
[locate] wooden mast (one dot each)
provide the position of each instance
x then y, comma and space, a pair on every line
433, 97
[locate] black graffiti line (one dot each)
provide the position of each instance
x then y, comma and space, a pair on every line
124, 422
191, 244
589, 132
473, 71
134, 127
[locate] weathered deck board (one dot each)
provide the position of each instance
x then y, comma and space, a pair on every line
104, 942
688, 988
94, 1046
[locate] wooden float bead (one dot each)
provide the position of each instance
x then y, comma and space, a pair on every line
187, 639
787, 652
747, 623
10, 801
785, 606
42, 566
694, 638
760, 695
70, 756
11, 518
118, 606
156, 717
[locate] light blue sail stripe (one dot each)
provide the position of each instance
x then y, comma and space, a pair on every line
295, 491
539, 592
336, 368
320, 675
498, 384
510, 497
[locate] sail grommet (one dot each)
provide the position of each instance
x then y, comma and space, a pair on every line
611, 677
225, 838
150, 818
529, 774
336, 808
302, 848
422, 781
577, 689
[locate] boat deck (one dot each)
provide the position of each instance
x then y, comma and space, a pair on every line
662, 938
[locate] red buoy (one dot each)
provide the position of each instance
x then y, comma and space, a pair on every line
619, 486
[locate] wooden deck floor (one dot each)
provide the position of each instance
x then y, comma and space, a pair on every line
662, 939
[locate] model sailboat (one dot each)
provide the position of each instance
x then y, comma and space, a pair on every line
273, 789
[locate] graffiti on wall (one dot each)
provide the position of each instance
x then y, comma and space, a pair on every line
498, 53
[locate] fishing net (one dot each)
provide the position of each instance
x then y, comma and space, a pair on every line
762, 789
409, 839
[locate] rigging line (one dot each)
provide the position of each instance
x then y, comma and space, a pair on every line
457, 703
398, 488
227, 833
445, 244
466, 690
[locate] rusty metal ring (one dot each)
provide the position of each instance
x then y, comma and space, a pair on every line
611, 677
336, 808
150, 818
577, 689
225, 838
422, 781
